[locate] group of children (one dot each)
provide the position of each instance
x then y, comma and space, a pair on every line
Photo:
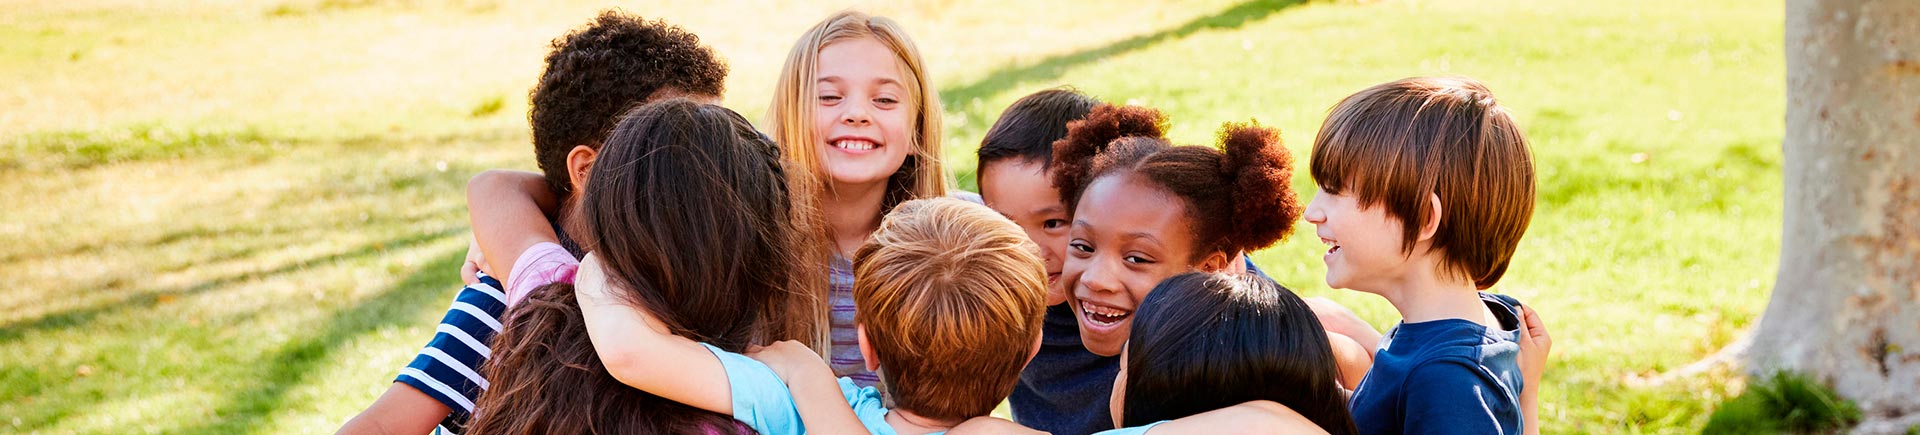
675, 270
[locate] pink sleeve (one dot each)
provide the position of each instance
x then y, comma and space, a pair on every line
543, 263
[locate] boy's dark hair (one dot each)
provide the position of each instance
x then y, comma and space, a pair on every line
658, 236
1027, 129
1238, 200
595, 73
1394, 144
1205, 341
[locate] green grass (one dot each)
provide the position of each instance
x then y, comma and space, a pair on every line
242, 218
1784, 403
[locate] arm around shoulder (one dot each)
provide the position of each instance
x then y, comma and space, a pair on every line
1256, 417
640, 351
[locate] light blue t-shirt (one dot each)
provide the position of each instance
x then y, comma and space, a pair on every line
763, 402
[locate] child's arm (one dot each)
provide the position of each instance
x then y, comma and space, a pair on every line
816, 391
639, 350
989, 425
1353, 360
401, 410
1256, 417
506, 209
1535, 345
1337, 318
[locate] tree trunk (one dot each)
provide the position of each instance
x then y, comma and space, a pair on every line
1846, 308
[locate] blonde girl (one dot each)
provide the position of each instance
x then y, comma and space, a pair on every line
859, 125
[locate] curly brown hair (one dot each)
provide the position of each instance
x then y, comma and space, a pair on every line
1239, 199
596, 73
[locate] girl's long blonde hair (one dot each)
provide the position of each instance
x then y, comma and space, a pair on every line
790, 116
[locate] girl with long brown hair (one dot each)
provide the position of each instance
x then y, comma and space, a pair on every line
683, 191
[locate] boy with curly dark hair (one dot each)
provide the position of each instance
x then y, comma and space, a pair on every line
593, 75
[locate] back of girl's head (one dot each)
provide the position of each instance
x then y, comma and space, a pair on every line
1205, 341
1238, 200
546, 378
1027, 130
682, 196
791, 115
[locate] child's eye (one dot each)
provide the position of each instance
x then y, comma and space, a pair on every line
885, 102
1135, 259
829, 99
1080, 247
1054, 224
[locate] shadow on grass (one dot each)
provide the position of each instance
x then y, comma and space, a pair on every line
79, 317
290, 366
1052, 68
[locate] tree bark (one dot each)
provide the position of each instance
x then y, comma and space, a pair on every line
1846, 308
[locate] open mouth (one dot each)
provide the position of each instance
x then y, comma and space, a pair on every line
1101, 315
1334, 246
1053, 278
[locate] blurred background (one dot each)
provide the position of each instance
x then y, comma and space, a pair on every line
245, 216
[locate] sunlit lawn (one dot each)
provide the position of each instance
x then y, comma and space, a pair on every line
239, 217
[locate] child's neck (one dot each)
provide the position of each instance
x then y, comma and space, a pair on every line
1424, 294
853, 213
906, 422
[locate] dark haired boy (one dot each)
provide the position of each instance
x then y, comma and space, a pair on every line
593, 75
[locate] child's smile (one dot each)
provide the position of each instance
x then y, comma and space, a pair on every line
1364, 251
1127, 236
863, 115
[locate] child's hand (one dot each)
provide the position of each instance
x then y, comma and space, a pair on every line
475, 263
789, 359
991, 426
1535, 345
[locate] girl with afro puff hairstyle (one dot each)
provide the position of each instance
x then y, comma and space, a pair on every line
1144, 210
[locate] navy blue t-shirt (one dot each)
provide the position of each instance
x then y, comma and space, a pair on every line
1065, 389
1449, 376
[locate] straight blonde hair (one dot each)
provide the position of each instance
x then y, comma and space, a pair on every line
790, 116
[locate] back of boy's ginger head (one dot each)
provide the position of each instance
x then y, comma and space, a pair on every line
950, 296
596, 73
1396, 143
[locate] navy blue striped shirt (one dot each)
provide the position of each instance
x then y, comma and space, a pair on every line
448, 368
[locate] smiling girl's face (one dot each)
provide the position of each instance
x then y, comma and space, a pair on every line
862, 114
1126, 237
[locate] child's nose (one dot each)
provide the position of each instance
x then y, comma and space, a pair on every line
856, 116
1314, 215
1097, 278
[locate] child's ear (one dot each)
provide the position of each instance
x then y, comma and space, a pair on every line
866, 348
579, 164
1215, 262
1432, 225
1037, 340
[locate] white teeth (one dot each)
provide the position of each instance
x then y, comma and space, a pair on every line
853, 144
1103, 315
